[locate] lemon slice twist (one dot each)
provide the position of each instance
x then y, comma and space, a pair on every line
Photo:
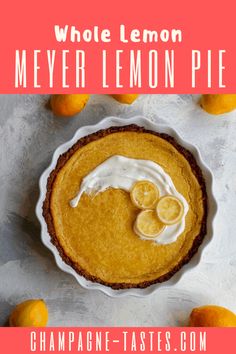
169, 210
147, 224
144, 194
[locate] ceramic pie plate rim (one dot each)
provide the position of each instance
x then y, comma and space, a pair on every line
161, 128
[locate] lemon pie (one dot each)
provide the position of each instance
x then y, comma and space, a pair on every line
126, 207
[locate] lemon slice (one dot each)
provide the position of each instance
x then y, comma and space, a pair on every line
147, 224
169, 210
144, 194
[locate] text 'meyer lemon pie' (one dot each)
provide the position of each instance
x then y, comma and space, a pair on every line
126, 207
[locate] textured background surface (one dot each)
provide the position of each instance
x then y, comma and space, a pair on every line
28, 136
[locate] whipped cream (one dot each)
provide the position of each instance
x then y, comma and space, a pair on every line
121, 172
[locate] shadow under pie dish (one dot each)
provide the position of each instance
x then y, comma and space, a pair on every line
95, 234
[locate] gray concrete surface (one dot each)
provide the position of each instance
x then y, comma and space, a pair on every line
28, 136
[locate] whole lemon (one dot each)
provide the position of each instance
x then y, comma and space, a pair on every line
218, 104
212, 316
30, 313
68, 105
125, 98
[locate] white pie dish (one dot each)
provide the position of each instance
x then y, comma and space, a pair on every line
106, 123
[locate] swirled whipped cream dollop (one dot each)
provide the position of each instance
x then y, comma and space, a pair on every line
122, 172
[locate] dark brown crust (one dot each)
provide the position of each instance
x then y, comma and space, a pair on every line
95, 136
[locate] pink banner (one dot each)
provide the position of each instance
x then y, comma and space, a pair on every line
128, 46
117, 340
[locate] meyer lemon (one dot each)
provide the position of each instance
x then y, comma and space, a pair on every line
218, 104
68, 105
212, 316
125, 98
30, 313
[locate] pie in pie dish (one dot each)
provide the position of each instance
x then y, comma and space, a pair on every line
126, 207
